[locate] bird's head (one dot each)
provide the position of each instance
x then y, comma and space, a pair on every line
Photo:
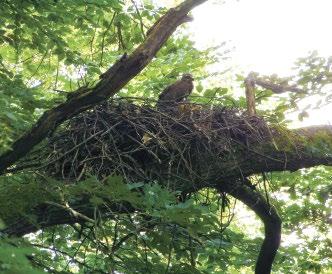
187, 77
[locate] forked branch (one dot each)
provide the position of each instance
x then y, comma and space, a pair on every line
252, 81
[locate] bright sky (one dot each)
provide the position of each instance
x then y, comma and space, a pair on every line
268, 35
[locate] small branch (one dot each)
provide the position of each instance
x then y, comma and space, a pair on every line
64, 253
103, 39
277, 88
249, 83
140, 17
122, 45
72, 211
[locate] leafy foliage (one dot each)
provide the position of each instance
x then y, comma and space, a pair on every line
15, 260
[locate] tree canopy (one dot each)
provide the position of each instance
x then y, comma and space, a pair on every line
96, 179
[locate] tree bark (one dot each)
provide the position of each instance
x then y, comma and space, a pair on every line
249, 84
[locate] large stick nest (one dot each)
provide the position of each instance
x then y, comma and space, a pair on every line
181, 144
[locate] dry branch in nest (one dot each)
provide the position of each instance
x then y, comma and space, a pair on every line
179, 147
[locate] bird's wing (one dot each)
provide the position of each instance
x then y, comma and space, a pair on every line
183, 91
167, 93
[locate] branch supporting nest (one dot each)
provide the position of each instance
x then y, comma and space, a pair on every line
267, 213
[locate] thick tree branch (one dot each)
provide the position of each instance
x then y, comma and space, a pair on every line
267, 213
116, 78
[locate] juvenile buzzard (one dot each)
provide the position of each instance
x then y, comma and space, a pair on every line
176, 92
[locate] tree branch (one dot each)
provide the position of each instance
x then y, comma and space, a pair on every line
250, 84
277, 88
267, 213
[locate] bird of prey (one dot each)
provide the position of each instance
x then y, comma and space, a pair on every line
176, 92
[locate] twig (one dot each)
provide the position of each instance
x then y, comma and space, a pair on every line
75, 213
